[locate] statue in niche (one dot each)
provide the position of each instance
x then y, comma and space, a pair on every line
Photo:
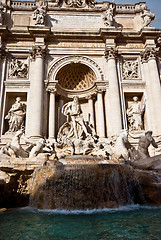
109, 16
39, 14
18, 69
135, 115
74, 111
148, 17
16, 115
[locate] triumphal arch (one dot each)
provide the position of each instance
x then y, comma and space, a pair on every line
106, 55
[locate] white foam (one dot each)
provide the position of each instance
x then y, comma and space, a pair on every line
90, 211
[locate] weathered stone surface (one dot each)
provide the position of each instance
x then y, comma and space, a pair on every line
150, 182
148, 163
21, 164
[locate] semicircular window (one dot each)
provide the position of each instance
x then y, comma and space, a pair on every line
76, 76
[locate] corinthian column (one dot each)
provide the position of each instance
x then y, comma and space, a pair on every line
114, 93
52, 113
101, 117
35, 104
155, 90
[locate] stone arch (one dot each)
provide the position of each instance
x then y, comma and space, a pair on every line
60, 63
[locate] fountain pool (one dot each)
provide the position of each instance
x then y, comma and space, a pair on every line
129, 222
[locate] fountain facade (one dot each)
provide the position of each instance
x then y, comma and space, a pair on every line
79, 90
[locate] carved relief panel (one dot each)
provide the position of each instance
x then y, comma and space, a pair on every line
18, 68
130, 69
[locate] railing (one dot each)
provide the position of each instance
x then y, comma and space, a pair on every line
125, 7
19, 4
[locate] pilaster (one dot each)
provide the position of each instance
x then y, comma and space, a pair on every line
52, 92
34, 128
114, 92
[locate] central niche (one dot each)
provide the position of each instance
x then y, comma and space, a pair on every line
76, 76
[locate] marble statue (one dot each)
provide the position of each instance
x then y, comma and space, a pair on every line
39, 14
38, 148
14, 148
108, 17
18, 69
73, 110
118, 147
135, 113
144, 142
16, 115
148, 17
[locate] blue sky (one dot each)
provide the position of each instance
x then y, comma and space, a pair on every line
153, 5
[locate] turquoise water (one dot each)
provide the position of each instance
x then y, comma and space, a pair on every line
133, 222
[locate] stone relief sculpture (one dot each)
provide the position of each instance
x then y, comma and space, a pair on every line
109, 16
39, 14
18, 69
148, 17
16, 115
135, 115
130, 69
80, 3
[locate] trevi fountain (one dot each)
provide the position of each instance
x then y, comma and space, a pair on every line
80, 132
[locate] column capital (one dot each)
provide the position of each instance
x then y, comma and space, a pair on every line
51, 89
148, 54
38, 51
110, 53
100, 90
91, 96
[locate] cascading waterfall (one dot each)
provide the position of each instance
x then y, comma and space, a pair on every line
84, 187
